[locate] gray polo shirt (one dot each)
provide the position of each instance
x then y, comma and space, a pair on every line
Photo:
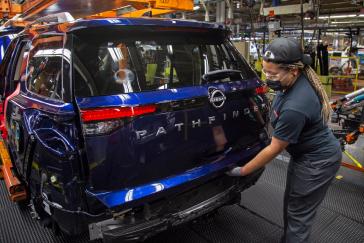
296, 118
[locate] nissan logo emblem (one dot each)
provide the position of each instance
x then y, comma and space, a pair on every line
216, 97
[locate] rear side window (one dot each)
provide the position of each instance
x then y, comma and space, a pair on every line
44, 71
137, 60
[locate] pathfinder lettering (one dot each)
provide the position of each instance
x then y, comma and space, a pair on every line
194, 123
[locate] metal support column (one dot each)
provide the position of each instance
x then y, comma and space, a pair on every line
302, 26
230, 14
220, 12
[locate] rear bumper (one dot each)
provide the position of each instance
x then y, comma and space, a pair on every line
112, 230
128, 197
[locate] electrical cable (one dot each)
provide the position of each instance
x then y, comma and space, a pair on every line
59, 207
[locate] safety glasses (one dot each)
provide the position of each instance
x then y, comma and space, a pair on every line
274, 77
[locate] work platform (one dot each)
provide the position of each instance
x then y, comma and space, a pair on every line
258, 218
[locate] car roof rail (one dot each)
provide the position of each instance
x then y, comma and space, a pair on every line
53, 19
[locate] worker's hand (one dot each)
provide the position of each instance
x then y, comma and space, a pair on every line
262, 158
236, 171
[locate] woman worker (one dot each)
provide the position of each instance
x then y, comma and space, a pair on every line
300, 112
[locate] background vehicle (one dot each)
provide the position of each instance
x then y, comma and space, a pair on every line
6, 35
124, 127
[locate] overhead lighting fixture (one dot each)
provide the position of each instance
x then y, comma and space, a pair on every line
346, 22
339, 16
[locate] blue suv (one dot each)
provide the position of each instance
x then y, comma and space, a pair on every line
124, 127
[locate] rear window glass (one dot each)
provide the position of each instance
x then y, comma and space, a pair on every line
134, 61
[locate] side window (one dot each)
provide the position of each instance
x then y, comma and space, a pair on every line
16, 66
4, 67
44, 70
21, 63
83, 87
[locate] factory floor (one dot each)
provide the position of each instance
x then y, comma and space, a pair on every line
257, 219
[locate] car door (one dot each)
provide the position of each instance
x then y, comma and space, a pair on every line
39, 115
16, 66
4, 66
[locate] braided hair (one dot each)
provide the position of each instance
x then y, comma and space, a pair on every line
317, 86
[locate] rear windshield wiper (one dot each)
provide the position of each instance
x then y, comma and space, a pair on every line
222, 74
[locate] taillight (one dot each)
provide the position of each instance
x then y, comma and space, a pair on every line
115, 113
261, 89
105, 120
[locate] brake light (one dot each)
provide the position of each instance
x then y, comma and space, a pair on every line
261, 89
115, 113
105, 121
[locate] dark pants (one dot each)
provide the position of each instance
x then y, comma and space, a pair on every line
307, 184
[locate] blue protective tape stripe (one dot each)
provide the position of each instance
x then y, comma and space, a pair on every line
117, 198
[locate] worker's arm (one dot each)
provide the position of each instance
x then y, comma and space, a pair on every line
264, 157
287, 131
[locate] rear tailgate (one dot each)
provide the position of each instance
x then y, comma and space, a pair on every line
177, 136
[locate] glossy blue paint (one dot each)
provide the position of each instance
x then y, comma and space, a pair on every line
160, 96
120, 159
117, 198
50, 126
55, 142
28, 99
